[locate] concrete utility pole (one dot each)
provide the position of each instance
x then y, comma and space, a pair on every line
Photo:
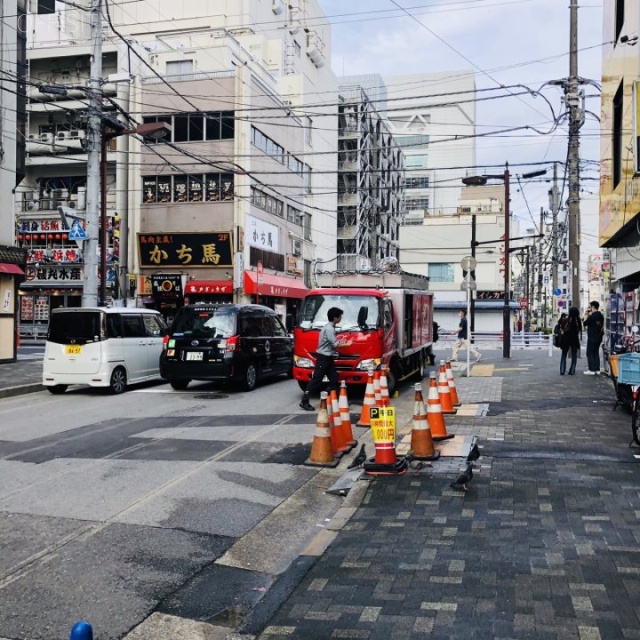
554, 205
573, 98
94, 146
540, 260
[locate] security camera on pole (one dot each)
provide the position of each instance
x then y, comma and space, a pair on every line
468, 264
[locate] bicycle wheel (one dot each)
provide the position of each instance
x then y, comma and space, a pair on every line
635, 421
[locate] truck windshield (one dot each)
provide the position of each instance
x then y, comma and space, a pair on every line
76, 327
313, 314
204, 323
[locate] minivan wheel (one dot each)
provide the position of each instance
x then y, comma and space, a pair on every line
250, 377
118, 382
179, 385
57, 389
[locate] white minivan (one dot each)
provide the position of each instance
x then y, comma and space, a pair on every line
102, 347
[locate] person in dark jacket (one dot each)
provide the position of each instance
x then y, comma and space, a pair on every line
594, 324
325, 357
570, 340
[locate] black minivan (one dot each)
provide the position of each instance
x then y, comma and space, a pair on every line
238, 342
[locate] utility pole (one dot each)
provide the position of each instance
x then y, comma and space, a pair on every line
554, 205
540, 260
94, 146
472, 302
573, 99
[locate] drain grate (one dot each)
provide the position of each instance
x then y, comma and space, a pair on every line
216, 395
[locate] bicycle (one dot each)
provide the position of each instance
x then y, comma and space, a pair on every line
625, 374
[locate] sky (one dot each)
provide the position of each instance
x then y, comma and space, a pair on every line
505, 42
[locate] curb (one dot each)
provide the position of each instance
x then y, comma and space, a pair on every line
10, 392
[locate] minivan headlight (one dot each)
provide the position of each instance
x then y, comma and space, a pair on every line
372, 363
303, 363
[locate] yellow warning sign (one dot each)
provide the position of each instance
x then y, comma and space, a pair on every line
383, 424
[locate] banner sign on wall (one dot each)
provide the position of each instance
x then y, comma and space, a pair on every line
210, 249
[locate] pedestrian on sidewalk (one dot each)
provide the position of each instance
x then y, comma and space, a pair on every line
594, 322
463, 339
570, 340
325, 357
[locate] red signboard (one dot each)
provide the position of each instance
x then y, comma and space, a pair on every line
524, 303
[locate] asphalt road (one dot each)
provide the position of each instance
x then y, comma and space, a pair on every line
188, 503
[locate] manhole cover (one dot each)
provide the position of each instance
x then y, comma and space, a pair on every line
211, 396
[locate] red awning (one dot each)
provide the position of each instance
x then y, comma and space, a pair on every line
276, 286
209, 287
6, 267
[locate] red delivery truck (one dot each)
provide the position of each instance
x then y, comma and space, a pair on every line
388, 319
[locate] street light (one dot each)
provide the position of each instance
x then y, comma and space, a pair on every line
478, 181
506, 312
113, 128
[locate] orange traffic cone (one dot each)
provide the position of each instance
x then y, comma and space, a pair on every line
368, 402
321, 451
376, 387
384, 387
434, 411
421, 440
443, 390
340, 441
345, 416
452, 384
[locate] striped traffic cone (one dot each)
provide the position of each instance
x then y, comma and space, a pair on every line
452, 384
443, 390
434, 412
368, 402
340, 440
384, 387
345, 416
421, 439
321, 450
376, 387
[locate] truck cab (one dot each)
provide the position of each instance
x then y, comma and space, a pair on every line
391, 326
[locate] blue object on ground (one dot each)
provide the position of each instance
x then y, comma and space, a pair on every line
81, 631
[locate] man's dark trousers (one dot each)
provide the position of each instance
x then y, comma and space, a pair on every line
325, 366
593, 354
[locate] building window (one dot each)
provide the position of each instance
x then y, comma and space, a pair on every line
267, 202
307, 130
196, 127
619, 18
441, 272
414, 204
306, 226
180, 68
294, 215
420, 182
46, 6
616, 169
417, 161
213, 187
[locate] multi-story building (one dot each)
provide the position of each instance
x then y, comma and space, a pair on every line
235, 203
620, 151
370, 178
433, 118
12, 116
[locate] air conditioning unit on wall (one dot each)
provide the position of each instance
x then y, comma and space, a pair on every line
296, 247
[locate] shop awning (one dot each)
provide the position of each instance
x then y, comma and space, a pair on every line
209, 287
6, 267
274, 286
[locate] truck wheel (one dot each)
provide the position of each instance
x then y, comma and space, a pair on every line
392, 380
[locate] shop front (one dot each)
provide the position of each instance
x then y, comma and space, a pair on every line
208, 291
277, 292
12, 262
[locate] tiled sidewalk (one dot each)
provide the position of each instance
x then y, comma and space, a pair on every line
544, 545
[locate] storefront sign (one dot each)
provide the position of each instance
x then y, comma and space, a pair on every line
259, 233
166, 285
53, 274
185, 249
209, 287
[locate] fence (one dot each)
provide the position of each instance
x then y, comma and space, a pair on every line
519, 340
